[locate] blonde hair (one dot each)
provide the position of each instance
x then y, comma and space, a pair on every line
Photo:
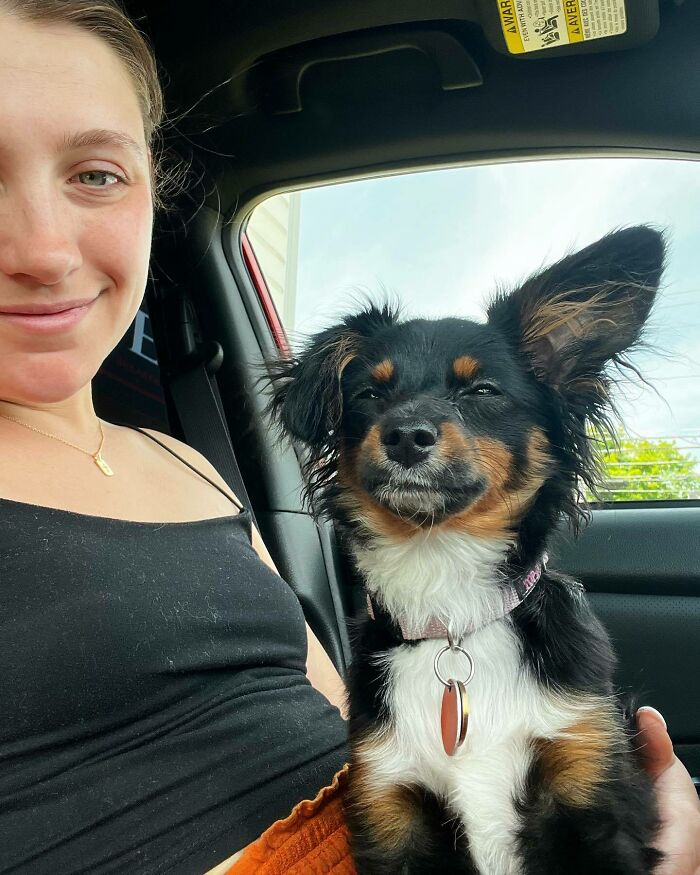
107, 21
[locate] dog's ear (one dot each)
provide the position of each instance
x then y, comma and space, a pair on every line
585, 310
307, 393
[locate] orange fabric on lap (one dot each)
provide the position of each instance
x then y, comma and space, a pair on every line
312, 840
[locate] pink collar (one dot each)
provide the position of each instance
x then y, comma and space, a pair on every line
512, 595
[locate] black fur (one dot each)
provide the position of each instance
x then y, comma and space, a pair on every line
608, 839
436, 846
547, 357
557, 627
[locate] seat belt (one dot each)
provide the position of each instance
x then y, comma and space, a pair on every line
199, 408
189, 364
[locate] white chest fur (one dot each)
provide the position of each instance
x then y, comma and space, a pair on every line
453, 578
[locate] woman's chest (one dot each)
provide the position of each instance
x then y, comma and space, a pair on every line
144, 487
100, 615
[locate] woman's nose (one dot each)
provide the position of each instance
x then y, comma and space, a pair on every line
38, 240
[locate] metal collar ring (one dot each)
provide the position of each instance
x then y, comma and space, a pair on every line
453, 648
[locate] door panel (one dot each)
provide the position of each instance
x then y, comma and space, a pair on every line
641, 570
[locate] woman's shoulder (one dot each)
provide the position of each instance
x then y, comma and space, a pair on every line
194, 457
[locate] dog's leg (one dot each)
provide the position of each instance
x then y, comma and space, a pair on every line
401, 830
574, 826
574, 842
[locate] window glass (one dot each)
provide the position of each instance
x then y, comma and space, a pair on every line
442, 241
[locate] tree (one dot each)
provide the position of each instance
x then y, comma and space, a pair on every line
647, 470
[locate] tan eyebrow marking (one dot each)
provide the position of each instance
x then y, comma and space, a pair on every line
384, 371
465, 367
101, 137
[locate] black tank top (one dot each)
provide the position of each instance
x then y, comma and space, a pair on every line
155, 714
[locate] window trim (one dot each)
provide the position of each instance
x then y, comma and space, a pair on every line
264, 296
520, 156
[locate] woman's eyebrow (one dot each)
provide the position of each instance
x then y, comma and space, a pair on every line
101, 137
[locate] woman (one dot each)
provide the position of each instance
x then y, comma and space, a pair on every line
157, 715
141, 682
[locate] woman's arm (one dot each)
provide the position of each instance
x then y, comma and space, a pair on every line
319, 669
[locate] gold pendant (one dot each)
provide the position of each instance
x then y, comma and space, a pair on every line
102, 465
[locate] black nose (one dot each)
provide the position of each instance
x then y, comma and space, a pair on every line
409, 442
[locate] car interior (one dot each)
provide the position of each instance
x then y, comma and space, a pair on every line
267, 97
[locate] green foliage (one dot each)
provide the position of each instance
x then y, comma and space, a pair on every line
647, 470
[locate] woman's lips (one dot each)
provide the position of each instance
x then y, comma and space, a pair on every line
49, 322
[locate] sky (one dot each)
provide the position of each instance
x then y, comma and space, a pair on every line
442, 241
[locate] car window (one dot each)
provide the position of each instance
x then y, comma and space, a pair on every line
442, 241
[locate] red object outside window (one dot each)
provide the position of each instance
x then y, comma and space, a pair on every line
268, 305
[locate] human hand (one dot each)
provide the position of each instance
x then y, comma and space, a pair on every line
678, 804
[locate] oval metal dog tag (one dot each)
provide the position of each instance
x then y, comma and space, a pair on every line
454, 716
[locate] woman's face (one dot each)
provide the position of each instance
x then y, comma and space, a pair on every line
75, 205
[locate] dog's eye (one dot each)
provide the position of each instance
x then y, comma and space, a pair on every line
368, 394
484, 389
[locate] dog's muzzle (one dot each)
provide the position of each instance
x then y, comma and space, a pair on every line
408, 441
415, 476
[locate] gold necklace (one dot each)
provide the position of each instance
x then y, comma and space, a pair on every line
97, 457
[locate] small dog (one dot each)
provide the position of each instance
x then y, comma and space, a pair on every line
486, 736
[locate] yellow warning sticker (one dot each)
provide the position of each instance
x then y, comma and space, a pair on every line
532, 25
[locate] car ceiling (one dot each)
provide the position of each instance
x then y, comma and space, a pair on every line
232, 69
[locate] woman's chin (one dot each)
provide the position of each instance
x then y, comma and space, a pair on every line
46, 382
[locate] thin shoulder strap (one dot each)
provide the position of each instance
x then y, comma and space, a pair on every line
233, 500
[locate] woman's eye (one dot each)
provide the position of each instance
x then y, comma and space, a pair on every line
99, 178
